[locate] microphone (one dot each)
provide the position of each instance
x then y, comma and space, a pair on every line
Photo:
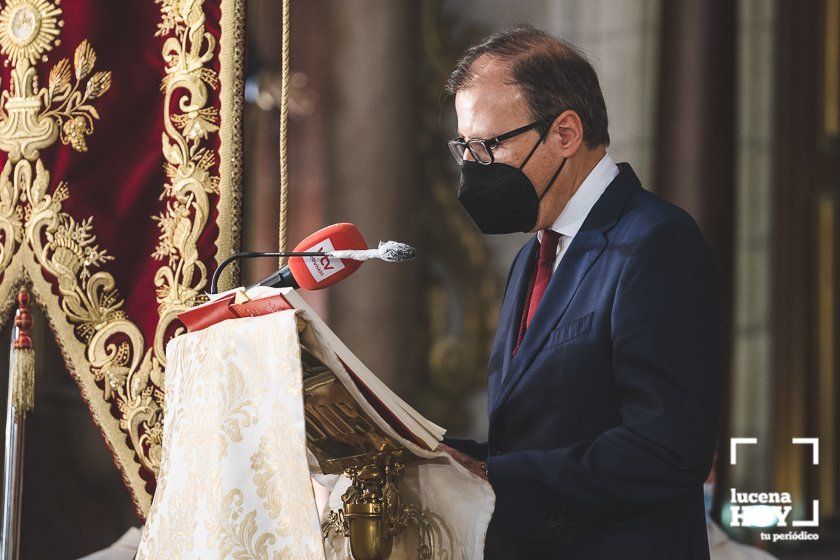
316, 272
324, 258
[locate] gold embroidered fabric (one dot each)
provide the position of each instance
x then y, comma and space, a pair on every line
118, 360
234, 479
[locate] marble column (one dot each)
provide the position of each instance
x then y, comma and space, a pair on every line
371, 131
751, 400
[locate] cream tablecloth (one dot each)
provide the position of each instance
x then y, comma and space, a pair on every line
234, 479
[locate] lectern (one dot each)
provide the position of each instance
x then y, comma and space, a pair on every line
255, 406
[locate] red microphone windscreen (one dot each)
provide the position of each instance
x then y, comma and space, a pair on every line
316, 273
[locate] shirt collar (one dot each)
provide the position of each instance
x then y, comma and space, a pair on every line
584, 198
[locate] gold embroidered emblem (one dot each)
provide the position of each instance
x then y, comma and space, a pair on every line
28, 29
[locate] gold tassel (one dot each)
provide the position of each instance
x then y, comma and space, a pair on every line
23, 357
23, 377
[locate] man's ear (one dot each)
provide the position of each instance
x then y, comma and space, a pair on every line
567, 131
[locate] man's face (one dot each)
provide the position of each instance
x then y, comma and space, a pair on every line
491, 106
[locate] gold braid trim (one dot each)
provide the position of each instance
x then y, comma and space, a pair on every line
284, 127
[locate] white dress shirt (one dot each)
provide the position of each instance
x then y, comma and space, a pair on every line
574, 213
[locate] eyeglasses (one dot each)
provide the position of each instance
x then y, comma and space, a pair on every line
482, 150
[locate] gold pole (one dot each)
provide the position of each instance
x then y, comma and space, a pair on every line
21, 401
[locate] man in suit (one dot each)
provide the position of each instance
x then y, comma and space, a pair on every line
603, 376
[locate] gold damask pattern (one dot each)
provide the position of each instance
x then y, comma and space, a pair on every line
234, 480
104, 350
235, 449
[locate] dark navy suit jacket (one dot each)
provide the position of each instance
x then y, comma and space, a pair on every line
602, 427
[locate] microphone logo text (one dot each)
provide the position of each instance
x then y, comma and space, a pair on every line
322, 267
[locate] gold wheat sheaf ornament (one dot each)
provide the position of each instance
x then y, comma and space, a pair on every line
105, 351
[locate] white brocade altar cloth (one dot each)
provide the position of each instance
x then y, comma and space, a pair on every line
234, 480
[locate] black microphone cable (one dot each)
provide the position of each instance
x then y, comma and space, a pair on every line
214, 283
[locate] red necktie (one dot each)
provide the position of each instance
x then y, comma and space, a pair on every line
539, 281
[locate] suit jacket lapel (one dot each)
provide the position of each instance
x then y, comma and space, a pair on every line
584, 250
510, 316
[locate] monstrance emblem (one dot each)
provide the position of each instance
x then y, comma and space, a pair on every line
28, 29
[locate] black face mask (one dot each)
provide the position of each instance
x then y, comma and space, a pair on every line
499, 197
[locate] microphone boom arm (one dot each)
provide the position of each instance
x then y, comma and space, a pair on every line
214, 283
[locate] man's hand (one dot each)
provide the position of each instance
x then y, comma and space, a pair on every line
478, 468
